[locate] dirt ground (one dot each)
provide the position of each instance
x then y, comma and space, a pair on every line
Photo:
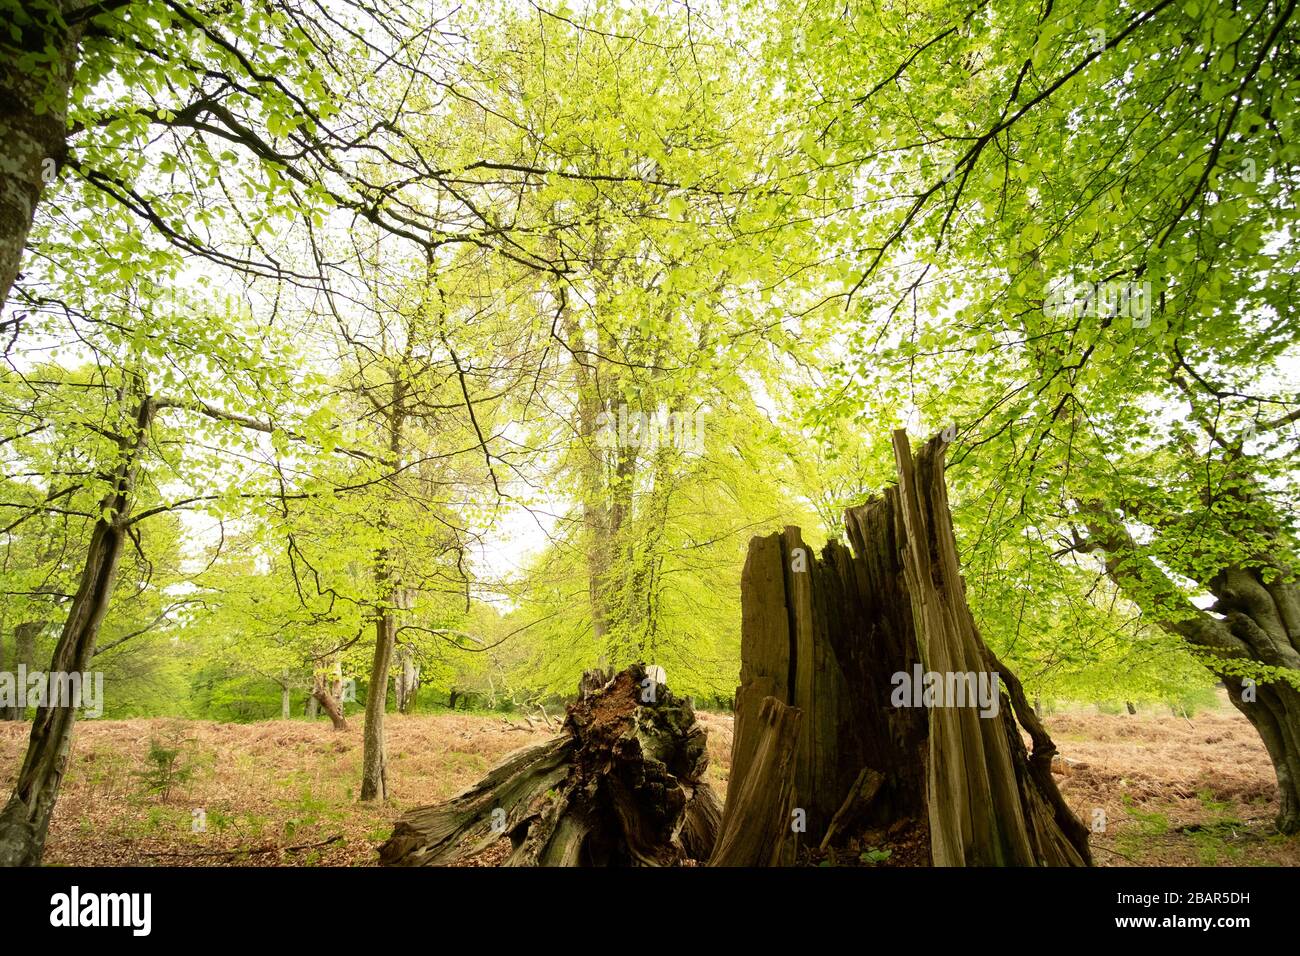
1172, 791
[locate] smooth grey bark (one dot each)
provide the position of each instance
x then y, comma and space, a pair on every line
374, 776
374, 780
406, 682
595, 513
24, 654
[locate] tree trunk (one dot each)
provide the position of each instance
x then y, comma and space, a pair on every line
329, 702
623, 784
25, 821
1261, 611
312, 710
374, 779
1275, 715
1255, 619
840, 636
286, 703
33, 128
25, 635
407, 679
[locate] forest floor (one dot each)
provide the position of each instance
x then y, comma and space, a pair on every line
1174, 791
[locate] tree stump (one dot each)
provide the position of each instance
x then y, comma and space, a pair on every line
838, 636
623, 784
756, 826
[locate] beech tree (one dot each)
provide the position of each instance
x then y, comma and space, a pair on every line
308, 308
1087, 231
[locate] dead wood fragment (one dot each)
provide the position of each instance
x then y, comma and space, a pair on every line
622, 784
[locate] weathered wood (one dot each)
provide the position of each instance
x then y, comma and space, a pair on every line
974, 809
986, 807
764, 644
701, 823
623, 784
824, 635
592, 682
861, 794
757, 822
1039, 766
830, 635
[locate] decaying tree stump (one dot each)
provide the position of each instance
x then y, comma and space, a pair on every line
623, 784
756, 821
836, 637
